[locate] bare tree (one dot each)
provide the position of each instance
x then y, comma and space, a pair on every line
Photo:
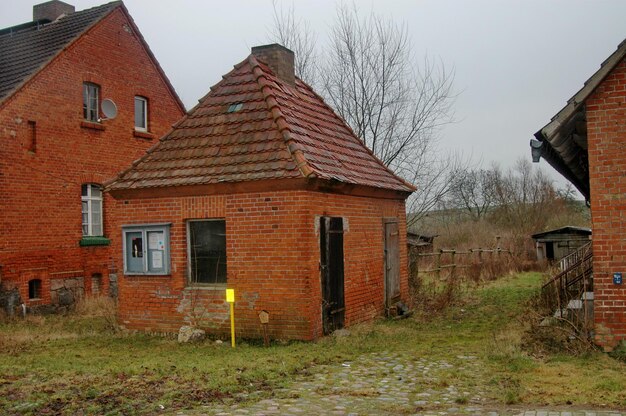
395, 105
525, 199
296, 34
473, 191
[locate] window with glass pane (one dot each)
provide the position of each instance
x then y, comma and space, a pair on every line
141, 113
207, 251
90, 101
92, 210
146, 249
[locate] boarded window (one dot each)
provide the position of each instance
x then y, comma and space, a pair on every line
96, 283
207, 251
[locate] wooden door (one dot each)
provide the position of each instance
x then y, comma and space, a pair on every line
331, 266
392, 264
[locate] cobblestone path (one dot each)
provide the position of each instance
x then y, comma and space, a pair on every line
385, 383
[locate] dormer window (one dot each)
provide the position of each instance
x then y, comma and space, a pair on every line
91, 96
141, 113
233, 108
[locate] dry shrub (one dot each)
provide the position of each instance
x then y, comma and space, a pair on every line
431, 296
98, 307
93, 306
557, 338
549, 335
473, 272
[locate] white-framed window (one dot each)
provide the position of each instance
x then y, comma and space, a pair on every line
141, 113
146, 249
206, 251
91, 196
91, 97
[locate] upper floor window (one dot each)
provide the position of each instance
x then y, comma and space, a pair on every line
91, 93
141, 113
92, 209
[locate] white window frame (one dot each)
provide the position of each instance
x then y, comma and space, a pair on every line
90, 112
147, 267
91, 202
190, 280
144, 102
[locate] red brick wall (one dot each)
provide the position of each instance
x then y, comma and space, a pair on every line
606, 127
40, 190
273, 262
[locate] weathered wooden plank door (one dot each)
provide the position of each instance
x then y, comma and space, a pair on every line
392, 263
331, 265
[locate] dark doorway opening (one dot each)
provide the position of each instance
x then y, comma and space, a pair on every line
34, 289
331, 265
550, 251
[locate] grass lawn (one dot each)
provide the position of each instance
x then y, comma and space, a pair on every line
74, 365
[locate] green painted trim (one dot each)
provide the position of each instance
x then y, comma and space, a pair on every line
94, 241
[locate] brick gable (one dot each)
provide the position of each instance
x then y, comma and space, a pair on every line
47, 151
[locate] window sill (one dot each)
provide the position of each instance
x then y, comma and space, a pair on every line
206, 286
143, 134
92, 125
146, 274
94, 241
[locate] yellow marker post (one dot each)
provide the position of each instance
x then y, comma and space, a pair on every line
230, 298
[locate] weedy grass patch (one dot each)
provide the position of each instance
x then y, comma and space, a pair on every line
80, 364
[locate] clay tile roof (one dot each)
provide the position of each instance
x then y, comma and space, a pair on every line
26, 48
253, 126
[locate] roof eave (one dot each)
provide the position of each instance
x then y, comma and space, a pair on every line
122, 191
556, 135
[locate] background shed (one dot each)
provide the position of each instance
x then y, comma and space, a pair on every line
555, 244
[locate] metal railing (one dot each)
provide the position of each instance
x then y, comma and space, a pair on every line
569, 291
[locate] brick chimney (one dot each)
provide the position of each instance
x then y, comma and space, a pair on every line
51, 10
279, 59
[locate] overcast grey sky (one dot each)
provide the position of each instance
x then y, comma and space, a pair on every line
516, 62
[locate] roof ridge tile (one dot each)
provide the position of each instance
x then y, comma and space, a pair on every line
297, 154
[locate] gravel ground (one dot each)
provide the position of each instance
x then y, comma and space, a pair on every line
384, 383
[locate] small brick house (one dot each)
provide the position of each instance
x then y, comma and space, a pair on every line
586, 143
57, 148
261, 188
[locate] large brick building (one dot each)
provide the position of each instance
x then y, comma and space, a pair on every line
263, 189
586, 143
57, 148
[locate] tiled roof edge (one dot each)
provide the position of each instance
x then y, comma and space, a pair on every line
111, 6
119, 182
297, 154
338, 117
589, 86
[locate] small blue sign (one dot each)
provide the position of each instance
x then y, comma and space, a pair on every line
617, 278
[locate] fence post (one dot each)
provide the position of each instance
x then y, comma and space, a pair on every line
453, 268
480, 256
438, 264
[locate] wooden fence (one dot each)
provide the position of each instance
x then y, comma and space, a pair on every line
452, 260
